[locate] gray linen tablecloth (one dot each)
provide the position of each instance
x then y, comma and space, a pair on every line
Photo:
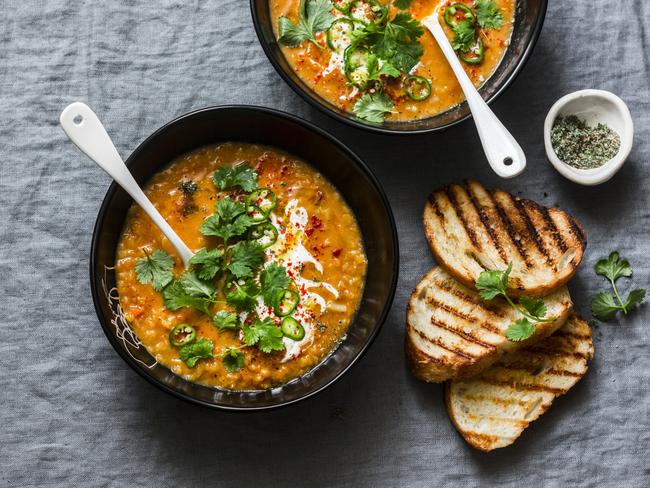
71, 411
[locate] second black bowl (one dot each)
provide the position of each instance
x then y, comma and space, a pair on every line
529, 18
332, 159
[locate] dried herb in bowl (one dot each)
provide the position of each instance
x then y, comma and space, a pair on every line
582, 146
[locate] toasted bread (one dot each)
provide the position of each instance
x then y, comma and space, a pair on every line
493, 409
471, 229
452, 333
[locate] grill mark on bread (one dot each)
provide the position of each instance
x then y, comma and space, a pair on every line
572, 335
522, 386
510, 230
577, 231
468, 337
434, 204
560, 353
530, 226
468, 299
535, 370
438, 342
461, 216
504, 420
555, 232
462, 315
497, 400
485, 221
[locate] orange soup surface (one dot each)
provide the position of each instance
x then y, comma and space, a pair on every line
323, 69
318, 248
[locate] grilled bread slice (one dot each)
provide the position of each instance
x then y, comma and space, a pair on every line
493, 409
471, 229
452, 333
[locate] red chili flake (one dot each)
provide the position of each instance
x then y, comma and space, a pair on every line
314, 224
336, 252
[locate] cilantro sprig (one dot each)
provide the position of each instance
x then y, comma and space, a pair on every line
155, 268
605, 306
488, 14
314, 16
494, 283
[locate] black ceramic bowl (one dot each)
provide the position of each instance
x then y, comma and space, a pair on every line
268, 127
529, 18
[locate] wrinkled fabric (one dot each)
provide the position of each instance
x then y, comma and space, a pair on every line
72, 413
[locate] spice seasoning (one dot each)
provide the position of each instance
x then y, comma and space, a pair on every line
581, 146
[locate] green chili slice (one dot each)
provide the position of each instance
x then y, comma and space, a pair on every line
265, 234
474, 55
343, 5
292, 329
417, 88
263, 199
339, 35
453, 10
355, 65
286, 303
182, 335
256, 215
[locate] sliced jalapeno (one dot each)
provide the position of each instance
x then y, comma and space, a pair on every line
453, 10
256, 215
286, 302
474, 55
343, 5
292, 329
265, 234
339, 35
181, 335
263, 199
355, 65
417, 88
367, 11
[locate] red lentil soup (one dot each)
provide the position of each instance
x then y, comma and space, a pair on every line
315, 251
329, 69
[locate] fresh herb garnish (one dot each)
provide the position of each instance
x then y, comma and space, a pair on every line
233, 360
226, 320
274, 279
191, 353
245, 258
314, 16
488, 14
241, 175
177, 297
373, 107
155, 268
494, 283
243, 294
265, 334
464, 35
604, 306
195, 286
229, 221
402, 4
207, 263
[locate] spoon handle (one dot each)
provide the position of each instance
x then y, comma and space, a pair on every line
84, 128
501, 149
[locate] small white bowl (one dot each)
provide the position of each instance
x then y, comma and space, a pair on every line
592, 106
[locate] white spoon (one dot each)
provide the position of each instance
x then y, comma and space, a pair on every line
503, 153
84, 129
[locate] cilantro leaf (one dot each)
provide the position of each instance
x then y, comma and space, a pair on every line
537, 308
191, 353
613, 267
243, 296
520, 330
246, 257
216, 227
603, 306
228, 209
225, 320
241, 175
488, 14
397, 42
315, 16
375, 72
373, 107
265, 334
273, 279
195, 287
635, 297
403, 4
155, 268
176, 297
465, 36
207, 263
491, 284
233, 360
